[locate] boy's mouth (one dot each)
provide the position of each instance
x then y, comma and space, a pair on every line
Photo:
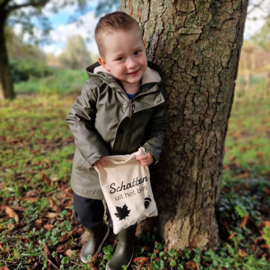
133, 73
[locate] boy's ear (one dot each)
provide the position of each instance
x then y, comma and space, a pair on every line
102, 61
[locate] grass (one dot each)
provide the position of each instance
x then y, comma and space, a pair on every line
37, 228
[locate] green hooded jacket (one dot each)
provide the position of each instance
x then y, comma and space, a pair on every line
105, 122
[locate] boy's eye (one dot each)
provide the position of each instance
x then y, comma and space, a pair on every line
137, 52
120, 59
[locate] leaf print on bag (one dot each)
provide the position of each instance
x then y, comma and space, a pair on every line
122, 212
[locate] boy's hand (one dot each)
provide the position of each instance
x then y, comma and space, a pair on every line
145, 160
103, 162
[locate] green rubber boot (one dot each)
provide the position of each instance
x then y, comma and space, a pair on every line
124, 252
98, 235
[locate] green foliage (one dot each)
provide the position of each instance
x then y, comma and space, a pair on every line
61, 82
266, 235
262, 37
241, 210
234, 206
24, 69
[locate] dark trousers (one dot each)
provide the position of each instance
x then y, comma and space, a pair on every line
89, 212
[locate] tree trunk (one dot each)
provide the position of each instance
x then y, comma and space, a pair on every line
197, 44
6, 86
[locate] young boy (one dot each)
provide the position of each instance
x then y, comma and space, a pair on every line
121, 108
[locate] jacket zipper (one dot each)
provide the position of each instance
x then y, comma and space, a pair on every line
131, 107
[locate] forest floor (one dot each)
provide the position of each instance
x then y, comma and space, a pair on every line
37, 228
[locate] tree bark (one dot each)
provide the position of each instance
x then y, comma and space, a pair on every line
6, 85
197, 44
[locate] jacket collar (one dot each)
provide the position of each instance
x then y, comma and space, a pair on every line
152, 74
149, 76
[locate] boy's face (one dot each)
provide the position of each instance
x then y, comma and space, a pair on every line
125, 56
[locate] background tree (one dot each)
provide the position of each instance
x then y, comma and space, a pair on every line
262, 37
197, 44
13, 12
75, 55
20, 50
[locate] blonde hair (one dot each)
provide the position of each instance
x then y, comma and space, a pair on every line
112, 22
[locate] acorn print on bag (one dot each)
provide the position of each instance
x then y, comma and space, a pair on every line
147, 201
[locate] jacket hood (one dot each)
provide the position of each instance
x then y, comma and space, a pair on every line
153, 73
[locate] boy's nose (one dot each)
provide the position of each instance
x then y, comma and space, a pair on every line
131, 62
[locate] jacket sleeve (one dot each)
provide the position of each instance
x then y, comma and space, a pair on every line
81, 119
155, 139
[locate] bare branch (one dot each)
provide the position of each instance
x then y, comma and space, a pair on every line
40, 3
256, 6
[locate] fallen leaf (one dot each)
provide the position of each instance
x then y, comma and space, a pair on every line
91, 266
244, 222
10, 226
181, 253
39, 222
32, 193
69, 253
30, 199
46, 179
140, 258
23, 239
225, 224
141, 261
45, 160
259, 238
242, 253
243, 175
65, 237
231, 236
8, 151
51, 215
147, 248
68, 191
193, 243
59, 249
11, 214
46, 251
19, 208
51, 202
266, 223
55, 179
259, 154
48, 227
264, 246
191, 265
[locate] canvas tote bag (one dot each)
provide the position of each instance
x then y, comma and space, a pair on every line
127, 190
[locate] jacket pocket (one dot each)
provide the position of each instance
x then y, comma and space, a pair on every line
80, 163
